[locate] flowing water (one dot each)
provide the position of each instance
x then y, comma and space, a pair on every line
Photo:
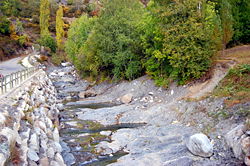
80, 137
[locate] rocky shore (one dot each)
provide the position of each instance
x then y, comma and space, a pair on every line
29, 126
59, 119
151, 125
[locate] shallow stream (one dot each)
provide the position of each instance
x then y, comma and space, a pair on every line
79, 137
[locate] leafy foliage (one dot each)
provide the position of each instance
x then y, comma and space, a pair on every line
112, 45
116, 39
9, 7
241, 24
59, 27
182, 47
227, 22
77, 36
48, 41
4, 25
44, 17
170, 40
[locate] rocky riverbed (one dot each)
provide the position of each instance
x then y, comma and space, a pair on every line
137, 123
58, 119
29, 125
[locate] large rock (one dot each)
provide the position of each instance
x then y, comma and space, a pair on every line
59, 159
69, 158
56, 135
3, 159
51, 153
86, 94
126, 98
234, 139
34, 142
245, 144
32, 155
200, 145
247, 160
44, 161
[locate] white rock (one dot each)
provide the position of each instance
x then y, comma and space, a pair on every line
59, 159
234, 138
54, 163
51, 152
106, 133
61, 74
126, 98
37, 130
172, 92
66, 64
49, 123
245, 145
60, 107
26, 134
44, 161
42, 126
247, 161
56, 136
10, 134
32, 155
34, 144
57, 147
2, 159
2, 119
200, 145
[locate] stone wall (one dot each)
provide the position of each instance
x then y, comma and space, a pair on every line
29, 125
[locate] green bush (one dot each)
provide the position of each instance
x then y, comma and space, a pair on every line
77, 36
115, 40
48, 41
180, 40
110, 43
4, 25
22, 40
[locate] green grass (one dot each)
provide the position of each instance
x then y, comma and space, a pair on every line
235, 86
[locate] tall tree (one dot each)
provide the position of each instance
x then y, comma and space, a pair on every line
59, 27
44, 17
115, 40
241, 16
185, 48
227, 22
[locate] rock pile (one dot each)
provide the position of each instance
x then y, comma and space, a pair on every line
29, 129
66, 81
239, 140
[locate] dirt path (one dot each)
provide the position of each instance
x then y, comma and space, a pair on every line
230, 58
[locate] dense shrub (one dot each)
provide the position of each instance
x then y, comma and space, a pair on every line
4, 25
48, 41
115, 40
170, 40
22, 40
77, 36
241, 25
182, 46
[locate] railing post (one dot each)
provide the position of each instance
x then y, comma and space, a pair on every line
2, 85
5, 84
11, 81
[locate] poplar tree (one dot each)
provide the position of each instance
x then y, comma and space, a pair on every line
59, 27
44, 17
227, 22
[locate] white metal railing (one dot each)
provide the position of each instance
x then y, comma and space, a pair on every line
9, 82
